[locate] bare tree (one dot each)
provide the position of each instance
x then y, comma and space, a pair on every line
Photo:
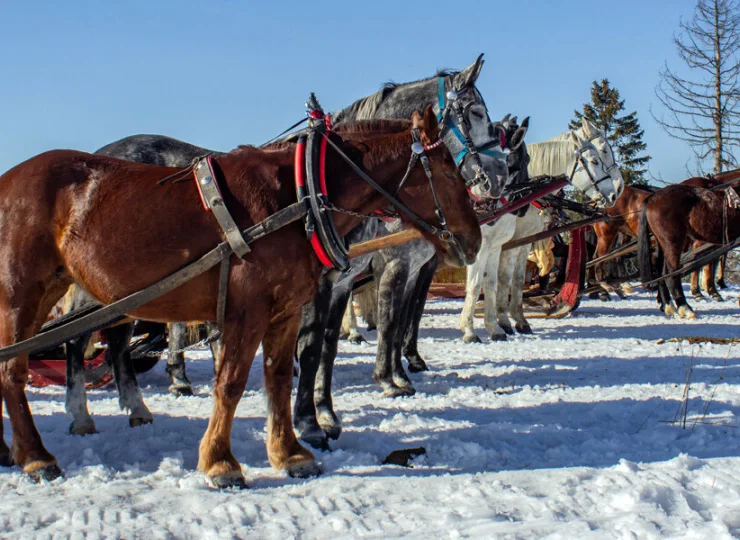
702, 106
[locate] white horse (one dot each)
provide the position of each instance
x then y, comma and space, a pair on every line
585, 157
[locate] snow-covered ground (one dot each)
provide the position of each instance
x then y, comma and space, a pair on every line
569, 433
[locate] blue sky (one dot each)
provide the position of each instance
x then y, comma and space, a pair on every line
81, 74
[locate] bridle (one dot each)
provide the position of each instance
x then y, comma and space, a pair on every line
449, 105
418, 154
581, 160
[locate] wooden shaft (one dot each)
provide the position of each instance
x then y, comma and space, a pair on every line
552, 232
391, 240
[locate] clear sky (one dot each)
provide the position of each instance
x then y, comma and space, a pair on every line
81, 74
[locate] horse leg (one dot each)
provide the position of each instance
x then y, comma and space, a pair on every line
283, 449
418, 302
6, 456
472, 293
350, 317
490, 294
516, 295
325, 415
308, 350
672, 263
604, 245
129, 393
22, 311
507, 260
240, 343
181, 385
75, 400
391, 289
695, 290
720, 276
708, 282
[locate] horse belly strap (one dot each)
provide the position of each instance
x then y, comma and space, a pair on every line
210, 195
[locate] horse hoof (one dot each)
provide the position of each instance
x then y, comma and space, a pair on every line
669, 310
371, 327
306, 469
698, 297
717, 297
721, 284
356, 339
135, 422
82, 429
330, 424
228, 481
593, 295
498, 337
315, 437
6, 460
508, 330
604, 296
181, 389
396, 391
685, 312
417, 364
45, 473
523, 328
472, 338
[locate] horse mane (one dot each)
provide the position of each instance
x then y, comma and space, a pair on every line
552, 157
350, 131
365, 108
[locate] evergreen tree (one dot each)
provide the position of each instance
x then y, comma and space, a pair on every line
623, 132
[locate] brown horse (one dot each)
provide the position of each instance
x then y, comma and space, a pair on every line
677, 216
709, 271
107, 225
624, 217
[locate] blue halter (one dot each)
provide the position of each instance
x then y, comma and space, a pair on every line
456, 131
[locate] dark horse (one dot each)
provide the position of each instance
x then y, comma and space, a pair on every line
111, 227
678, 216
624, 217
399, 271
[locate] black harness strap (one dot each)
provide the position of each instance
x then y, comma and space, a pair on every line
210, 194
106, 315
323, 222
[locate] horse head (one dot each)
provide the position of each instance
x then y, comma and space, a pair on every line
442, 197
475, 142
604, 191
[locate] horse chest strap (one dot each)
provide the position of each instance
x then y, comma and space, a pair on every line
210, 195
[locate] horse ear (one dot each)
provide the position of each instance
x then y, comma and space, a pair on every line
579, 142
417, 121
469, 75
505, 118
513, 120
518, 138
430, 124
588, 128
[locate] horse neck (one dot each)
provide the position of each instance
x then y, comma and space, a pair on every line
552, 158
384, 159
397, 101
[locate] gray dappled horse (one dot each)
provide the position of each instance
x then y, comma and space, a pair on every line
401, 270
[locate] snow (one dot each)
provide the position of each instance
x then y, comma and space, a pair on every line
568, 433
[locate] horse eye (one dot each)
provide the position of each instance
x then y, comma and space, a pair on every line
478, 115
594, 161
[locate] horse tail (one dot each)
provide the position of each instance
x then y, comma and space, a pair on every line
644, 248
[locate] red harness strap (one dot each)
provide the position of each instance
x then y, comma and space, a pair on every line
300, 182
